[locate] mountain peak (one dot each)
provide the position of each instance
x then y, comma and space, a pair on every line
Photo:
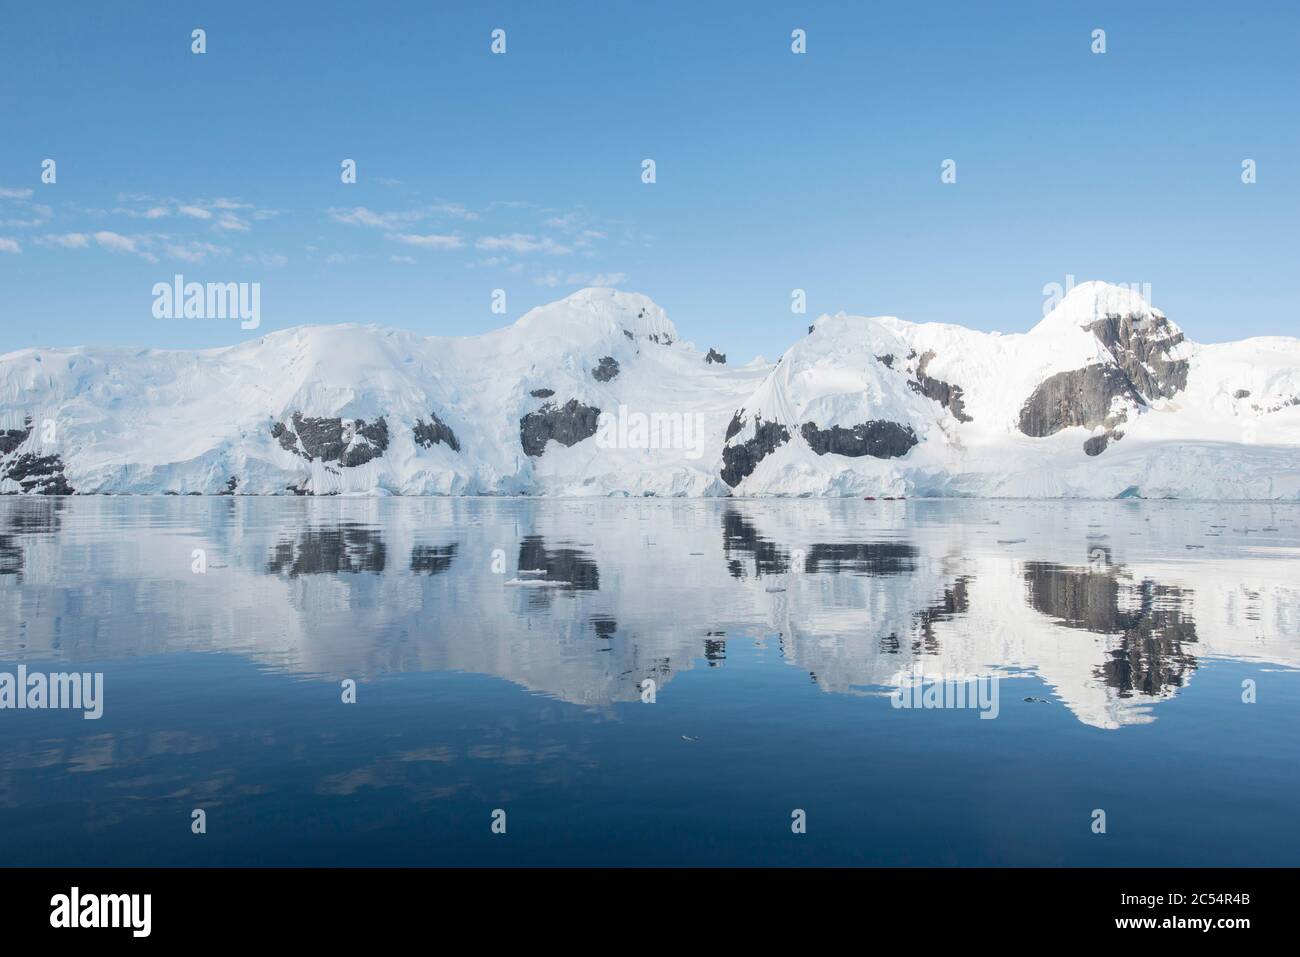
1092, 301
605, 310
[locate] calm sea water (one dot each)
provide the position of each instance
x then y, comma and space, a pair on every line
1145, 656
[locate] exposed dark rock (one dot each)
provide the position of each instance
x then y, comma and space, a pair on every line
232, 483
1141, 346
810, 329
1078, 397
284, 435
345, 442
662, 339
716, 356
542, 393
740, 460
737, 423
878, 438
38, 474
886, 360
428, 434
947, 395
607, 369
629, 335
568, 424
10, 439
1097, 444
1239, 394
432, 559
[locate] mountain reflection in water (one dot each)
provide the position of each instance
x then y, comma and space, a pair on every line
1109, 612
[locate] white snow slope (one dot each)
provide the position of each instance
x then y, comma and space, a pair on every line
1224, 424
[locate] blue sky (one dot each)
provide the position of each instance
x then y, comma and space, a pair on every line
775, 171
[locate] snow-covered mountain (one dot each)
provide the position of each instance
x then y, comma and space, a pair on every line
597, 395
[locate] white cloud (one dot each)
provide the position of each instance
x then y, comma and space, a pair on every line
229, 222
193, 252
115, 242
7, 193
362, 216
401, 259
194, 212
429, 241
9, 245
66, 240
523, 243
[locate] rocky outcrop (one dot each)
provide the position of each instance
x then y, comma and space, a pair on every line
1141, 346
607, 370
716, 356
568, 424
878, 438
37, 474
947, 395
1145, 369
346, 442
10, 439
542, 393
740, 460
1083, 397
428, 434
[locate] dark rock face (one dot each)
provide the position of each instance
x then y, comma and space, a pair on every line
1239, 394
1097, 444
878, 438
1078, 397
716, 356
428, 434
886, 360
740, 460
1144, 371
947, 395
1141, 346
542, 393
10, 439
568, 424
607, 369
37, 474
736, 424
232, 483
345, 442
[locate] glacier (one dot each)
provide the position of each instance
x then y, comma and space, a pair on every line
1103, 398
